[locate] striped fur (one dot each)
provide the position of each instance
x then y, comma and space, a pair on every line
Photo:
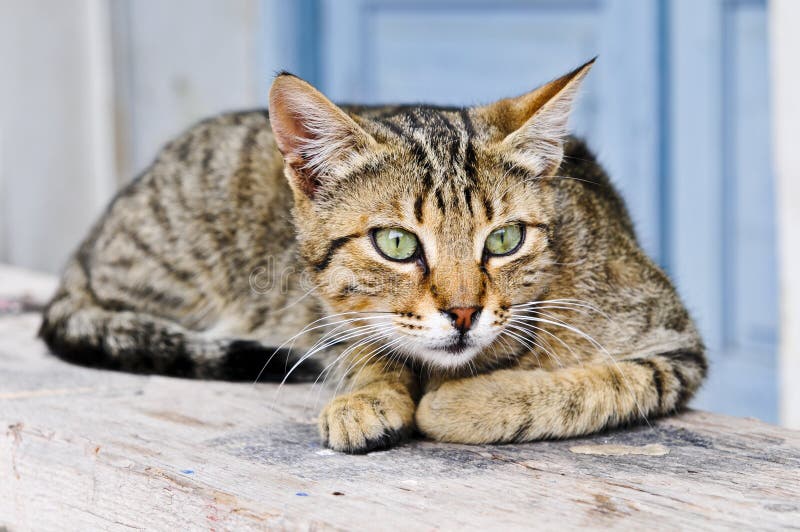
250, 227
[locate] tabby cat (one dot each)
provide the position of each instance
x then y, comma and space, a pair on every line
470, 273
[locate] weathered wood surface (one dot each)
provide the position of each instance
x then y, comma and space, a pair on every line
83, 449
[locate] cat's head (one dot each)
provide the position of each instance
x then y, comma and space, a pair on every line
431, 221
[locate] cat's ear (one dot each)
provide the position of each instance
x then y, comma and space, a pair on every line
318, 140
535, 124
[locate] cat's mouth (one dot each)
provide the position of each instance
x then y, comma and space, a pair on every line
447, 351
457, 347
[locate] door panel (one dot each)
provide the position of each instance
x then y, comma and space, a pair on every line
469, 52
722, 248
752, 314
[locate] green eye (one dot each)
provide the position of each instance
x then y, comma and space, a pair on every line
505, 240
395, 243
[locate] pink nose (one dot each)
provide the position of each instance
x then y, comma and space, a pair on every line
463, 317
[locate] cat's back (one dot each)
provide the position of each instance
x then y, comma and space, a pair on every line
225, 157
182, 239
220, 163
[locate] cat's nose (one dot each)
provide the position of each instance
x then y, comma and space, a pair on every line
463, 317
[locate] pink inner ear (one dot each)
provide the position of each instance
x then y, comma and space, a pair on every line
305, 178
291, 135
314, 136
288, 127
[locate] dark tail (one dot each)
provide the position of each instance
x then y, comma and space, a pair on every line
139, 343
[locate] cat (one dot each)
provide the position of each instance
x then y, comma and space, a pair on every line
471, 273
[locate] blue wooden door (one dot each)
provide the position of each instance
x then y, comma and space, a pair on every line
466, 52
721, 248
676, 109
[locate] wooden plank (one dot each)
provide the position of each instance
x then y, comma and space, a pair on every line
88, 449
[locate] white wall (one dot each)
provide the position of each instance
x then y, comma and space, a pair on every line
89, 89
179, 61
55, 142
785, 45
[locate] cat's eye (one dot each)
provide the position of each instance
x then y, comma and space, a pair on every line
505, 240
395, 243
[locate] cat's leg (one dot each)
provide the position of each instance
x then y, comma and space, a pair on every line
514, 405
377, 413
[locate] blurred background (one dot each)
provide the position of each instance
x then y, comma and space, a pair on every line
679, 108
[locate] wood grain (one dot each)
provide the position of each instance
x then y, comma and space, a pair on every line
88, 449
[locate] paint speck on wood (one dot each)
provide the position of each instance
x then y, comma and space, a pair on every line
652, 449
174, 417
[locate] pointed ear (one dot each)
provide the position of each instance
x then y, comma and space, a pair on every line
318, 140
535, 124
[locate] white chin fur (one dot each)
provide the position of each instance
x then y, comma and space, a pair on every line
427, 351
444, 359
429, 346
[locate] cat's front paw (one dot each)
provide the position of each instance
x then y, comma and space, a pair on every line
364, 421
457, 412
